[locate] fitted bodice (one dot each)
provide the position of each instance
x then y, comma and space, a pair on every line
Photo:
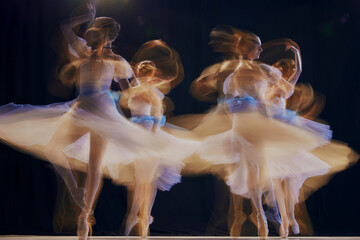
145, 100
139, 107
279, 92
247, 80
96, 75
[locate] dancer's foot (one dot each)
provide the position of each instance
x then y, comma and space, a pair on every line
262, 225
294, 226
151, 220
143, 227
84, 227
284, 228
131, 221
144, 223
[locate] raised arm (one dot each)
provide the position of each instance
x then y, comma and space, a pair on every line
75, 42
298, 66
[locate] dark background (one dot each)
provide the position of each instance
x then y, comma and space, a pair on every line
328, 33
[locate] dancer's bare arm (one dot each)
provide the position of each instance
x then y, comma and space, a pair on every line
298, 66
76, 43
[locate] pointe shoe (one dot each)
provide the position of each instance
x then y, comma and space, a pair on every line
144, 230
284, 228
145, 225
294, 226
84, 227
263, 230
151, 220
131, 221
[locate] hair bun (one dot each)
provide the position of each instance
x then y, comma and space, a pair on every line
101, 29
93, 37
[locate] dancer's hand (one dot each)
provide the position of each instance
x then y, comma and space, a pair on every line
91, 10
291, 48
68, 25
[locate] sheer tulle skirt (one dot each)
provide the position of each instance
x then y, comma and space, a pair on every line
166, 165
61, 124
277, 148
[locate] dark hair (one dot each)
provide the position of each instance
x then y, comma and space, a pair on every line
146, 66
101, 29
285, 65
226, 39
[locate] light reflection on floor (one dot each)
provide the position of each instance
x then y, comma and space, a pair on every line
167, 237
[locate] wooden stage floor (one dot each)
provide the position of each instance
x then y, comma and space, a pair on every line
167, 237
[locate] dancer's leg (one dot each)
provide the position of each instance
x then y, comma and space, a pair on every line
302, 215
280, 198
144, 171
254, 161
137, 202
292, 193
145, 211
272, 212
66, 134
237, 216
255, 196
143, 192
97, 146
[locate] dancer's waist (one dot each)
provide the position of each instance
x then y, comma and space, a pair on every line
94, 90
143, 118
240, 104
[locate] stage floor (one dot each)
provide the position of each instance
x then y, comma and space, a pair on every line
167, 237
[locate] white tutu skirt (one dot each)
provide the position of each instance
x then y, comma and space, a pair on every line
279, 149
163, 170
47, 131
338, 155
201, 126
